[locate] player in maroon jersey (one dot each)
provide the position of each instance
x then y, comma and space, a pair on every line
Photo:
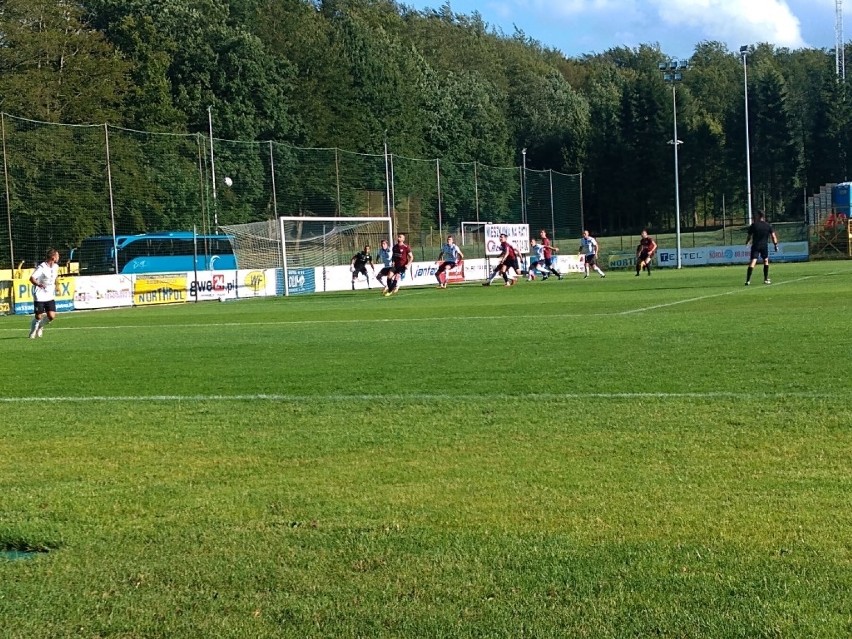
549, 257
644, 252
508, 260
402, 257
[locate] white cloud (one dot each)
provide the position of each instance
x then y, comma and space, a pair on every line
744, 21
578, 26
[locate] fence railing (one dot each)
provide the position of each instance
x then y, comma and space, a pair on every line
63, 183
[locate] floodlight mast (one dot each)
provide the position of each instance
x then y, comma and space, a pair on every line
744, 54
673, 73
839, 48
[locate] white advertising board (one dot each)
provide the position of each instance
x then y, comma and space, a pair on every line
212, 285
256, 283
717, 255
103, 291
339, 278
518, 235
569, 264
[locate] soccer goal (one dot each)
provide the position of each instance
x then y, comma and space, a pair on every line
473, 232
304, 242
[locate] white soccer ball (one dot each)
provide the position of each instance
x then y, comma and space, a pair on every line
229, 182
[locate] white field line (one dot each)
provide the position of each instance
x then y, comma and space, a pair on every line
707, 297
415, 397
386, 320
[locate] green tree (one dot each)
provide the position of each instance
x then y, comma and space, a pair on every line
55, 67
776, 152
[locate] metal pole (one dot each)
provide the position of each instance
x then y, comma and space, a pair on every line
213, 169
552, 209
272, 173
524, 186
440, 212
202, 186
337, 178
284, 258
393, 199
8, 198
744, 52
476, 187
111, 200
195, 260
387, 177
675, 143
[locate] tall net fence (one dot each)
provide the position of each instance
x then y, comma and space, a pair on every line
62, 184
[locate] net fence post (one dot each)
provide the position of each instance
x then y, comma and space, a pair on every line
476, 187
440, 212
8, 199
272, 179
112, 199
337, 179
552, 208
284, 256
212, 166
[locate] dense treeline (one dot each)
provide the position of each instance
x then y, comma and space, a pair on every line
353, 74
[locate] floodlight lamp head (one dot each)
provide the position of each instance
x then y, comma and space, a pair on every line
744, 49
662, 66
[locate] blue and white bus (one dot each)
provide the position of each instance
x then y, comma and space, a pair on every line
164, 252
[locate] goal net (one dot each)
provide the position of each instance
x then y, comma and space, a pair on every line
257, 245
306, 242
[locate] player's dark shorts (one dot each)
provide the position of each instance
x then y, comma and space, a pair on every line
512, 263
589, 259
446, 266
550, 261
40, 308
643, 255
398, 270
760, 252
362, 269
387, 270
534, 265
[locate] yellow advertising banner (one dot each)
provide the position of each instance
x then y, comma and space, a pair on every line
5, 297
22, 291
168, 288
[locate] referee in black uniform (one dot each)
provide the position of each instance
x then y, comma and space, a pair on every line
759, 234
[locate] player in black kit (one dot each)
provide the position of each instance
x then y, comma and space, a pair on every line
359, 264
759, 234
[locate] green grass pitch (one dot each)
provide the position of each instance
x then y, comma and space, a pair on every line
637, 456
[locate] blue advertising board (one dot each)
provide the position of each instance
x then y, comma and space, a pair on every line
299, 281
841, 197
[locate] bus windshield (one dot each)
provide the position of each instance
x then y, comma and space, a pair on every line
96, 256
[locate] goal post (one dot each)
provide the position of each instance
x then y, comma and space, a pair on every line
306, 242
472, 231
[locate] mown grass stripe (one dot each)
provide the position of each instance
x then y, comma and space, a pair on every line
274, 397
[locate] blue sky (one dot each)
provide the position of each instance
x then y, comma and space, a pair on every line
576, 27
